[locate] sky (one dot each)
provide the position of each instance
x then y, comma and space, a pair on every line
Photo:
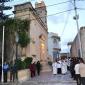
61, 23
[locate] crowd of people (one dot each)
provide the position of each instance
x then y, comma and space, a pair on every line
77, 69
75, 65
59, 66
12, 68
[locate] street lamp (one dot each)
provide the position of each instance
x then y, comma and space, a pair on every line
3, 54
16, 39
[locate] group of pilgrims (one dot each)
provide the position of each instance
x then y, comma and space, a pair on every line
60, 66
75, 65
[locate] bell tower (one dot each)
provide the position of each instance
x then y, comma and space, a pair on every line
40, 7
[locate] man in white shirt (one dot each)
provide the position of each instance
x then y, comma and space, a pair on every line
77, 74
82, 71
54, 65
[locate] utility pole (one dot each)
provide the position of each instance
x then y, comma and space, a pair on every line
3, 55
76, 17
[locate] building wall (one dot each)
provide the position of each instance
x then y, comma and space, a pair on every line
38, 32
50, 46
83, 41
75, 45
41, 10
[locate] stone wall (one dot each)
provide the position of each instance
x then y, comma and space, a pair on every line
75, 45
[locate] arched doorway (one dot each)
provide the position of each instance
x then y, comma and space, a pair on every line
42, 48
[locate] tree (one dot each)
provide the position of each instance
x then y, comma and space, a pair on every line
11, 27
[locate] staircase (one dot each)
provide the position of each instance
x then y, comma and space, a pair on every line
45, 67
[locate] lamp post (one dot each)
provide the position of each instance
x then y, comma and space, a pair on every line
16, 39
2, 18
3, 54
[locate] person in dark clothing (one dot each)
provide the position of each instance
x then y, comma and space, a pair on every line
0, 72
38, 67
5, 70
32, 68
72, 69
11, 71
72, 65
14, 72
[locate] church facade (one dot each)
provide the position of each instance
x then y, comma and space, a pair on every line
38, 31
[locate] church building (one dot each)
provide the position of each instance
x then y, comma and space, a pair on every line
38, 31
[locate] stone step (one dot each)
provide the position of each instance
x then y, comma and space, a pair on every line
46, 68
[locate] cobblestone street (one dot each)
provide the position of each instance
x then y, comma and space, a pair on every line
48, 79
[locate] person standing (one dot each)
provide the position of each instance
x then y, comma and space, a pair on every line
63, 67
72, 65
38, 67
11, 71
77, 74
14, 71
82, 71
59, 66
32, 68
68, 64
54, 65
5, 70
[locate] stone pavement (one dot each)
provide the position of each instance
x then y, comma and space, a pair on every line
48, 78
